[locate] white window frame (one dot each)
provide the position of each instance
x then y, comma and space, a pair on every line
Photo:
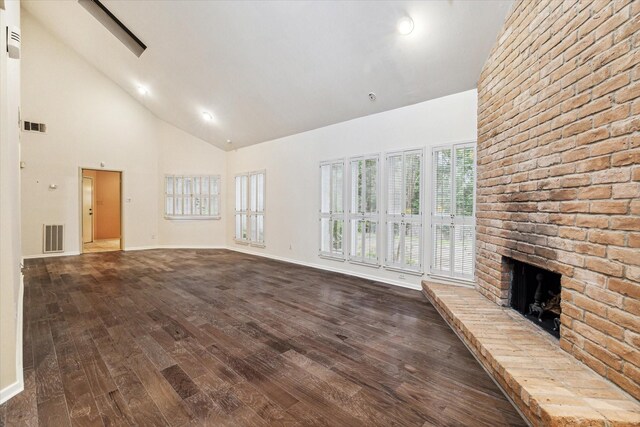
331, 215
250, 213
452, 219
403, 218
373, 217
192, 197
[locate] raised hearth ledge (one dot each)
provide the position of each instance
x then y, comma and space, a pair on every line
549, 386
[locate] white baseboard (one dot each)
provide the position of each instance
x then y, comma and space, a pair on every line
57, 254
192, 247
20, 331
327, 268
139, 248
144, 248
130, 248
13, 389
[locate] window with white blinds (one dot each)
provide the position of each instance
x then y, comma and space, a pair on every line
249, 216
192, 196
453, 215
404, 210
332, 218
363, 210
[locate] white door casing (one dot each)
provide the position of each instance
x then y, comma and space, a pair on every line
87, 209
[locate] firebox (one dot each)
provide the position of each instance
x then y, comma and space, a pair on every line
535, 293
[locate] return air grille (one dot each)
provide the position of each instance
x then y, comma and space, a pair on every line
53, 240
34, 127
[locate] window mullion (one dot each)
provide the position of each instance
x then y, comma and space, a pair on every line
364, 195
249, 210
331, 207
451, 220
175, 196
404, 209
363, 208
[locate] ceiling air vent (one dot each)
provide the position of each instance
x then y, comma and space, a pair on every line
113, 24
34, 127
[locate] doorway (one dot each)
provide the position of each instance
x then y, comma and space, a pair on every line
101, 210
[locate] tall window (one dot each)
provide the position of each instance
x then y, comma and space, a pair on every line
404, 211
332, 209
250, 208
363, 210
192, 197
453, 215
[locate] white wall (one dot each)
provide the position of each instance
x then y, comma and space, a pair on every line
292, 173
92, 120
10, 278
184, 154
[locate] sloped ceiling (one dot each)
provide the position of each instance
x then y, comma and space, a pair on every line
270, 69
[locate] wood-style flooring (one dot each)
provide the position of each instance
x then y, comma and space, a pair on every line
214, 337
103, 245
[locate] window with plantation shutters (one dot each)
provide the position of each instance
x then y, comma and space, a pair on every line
363, 210
249, 216
192, 196
332, 218
404, 211
453, 215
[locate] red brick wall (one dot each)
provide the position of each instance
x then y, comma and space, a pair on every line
559, 170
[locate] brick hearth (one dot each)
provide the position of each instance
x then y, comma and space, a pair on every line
548, 386
559, 171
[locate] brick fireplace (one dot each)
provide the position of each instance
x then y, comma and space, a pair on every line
559, 171
535, 293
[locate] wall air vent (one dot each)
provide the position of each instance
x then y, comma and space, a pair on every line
113, 24
13, 42
34, 127
53, 239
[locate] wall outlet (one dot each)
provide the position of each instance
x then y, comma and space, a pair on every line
153, 237
290, 246
401, 276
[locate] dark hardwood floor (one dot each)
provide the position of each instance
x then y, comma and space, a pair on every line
213, 337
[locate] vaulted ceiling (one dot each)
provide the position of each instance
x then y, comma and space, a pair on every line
270, 69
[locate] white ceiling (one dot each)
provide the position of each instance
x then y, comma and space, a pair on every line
271, 69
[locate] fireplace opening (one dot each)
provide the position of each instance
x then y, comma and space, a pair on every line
535, 293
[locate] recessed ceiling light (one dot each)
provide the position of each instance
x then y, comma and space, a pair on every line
207, 116
405, 26
228, 141
142, 90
